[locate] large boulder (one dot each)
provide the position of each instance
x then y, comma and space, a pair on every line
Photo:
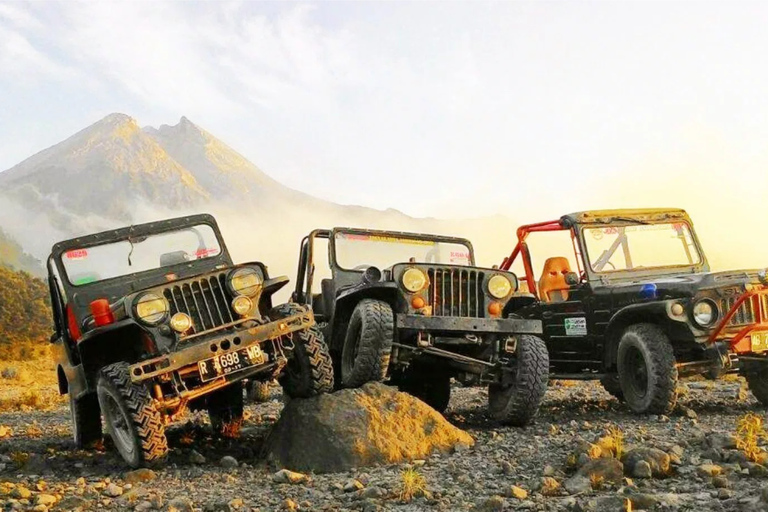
375, 424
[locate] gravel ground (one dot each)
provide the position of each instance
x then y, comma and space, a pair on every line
41, 470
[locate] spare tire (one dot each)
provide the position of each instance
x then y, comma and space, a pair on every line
368, 343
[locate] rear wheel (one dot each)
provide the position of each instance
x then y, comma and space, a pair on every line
516, 399
757, 380
431, 387
86, 419
135, 426
309, 370
647, 371
368, 344
225, 410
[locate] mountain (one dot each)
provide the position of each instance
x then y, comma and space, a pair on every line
12, 256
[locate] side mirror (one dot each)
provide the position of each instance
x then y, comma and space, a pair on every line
572, 279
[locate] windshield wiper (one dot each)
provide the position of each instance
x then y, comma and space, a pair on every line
630, 219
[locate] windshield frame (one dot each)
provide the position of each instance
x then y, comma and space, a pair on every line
139, 230
699, 266
395, 234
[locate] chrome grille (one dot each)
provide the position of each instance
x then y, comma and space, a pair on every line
745, 315
456, 292
205, 300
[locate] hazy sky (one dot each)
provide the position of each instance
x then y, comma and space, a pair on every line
442, 109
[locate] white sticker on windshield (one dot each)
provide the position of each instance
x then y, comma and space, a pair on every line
576, 326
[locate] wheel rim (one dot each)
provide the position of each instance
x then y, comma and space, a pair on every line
119, 426
349, 354
636, 368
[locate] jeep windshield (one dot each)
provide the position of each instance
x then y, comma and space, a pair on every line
140, 254
358, 251
639, 246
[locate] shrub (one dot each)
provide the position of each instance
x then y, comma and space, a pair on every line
412, 484
750, 430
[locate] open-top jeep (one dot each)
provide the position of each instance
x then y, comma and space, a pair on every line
413, 308
629, 299
155, 317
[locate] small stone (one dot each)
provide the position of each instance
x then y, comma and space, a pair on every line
113, 490
709, 470
21, 493
143, 506
285, 476
45, 499
507, 468
196, 457
549, 471
720, 482
290, 505
549, 486
372, 492
691, 414
73, 503
517, 492
236, 503
180, 504
492, 504
642, 470
353, 485
140, 475
228, 462
724, 494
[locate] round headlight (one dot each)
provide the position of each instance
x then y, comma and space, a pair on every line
499, 286
242, 305
705, 312
246, 281
414, 280
151, 308
181, 322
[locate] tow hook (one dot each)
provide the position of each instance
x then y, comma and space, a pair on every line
510, 345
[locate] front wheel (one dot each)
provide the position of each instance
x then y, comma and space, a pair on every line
516, 399
86, 419
757, 380
647, 371
134, 424
368, 344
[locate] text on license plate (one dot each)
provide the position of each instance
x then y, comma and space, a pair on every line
759, 341
230, 362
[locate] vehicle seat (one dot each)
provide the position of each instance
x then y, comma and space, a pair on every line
329, 296
552, 285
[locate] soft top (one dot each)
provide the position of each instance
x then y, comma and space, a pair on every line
640, 214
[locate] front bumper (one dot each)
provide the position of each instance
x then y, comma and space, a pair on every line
752, 337
212, 346
462, 325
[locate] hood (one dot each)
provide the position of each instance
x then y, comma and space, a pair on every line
688, 285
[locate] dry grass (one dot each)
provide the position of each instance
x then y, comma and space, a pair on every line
617, 435
28, 385
412, 484
596, 481
750, 430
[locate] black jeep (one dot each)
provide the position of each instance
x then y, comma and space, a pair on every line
413, 308
155, 317
629, 299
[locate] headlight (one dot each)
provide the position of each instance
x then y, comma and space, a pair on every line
181, 322
242, 305
151, 308
705, 312
414, 280
499, 286
246, 281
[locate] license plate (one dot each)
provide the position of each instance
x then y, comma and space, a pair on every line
759, 341
230, 362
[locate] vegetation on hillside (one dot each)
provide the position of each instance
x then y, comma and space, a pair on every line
13, 256
25, 315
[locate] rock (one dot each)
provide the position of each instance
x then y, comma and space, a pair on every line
228, 462
756, 469
709, 470
724, 494
657, 459
20, 492
517, 492
5, 432
45, 499
289, 504
596, 470
143, 506
492, 504
642, 470
113, 490
236, 503
196, 457
691, 414
549, 486
577, 484
285, 476
549, 470
722, 441
140, 475
720, 482
373, 492
180, 504
73, 502
353, 485
375, 424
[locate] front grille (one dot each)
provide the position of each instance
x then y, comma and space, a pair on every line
745, 315
456, 292
205, 300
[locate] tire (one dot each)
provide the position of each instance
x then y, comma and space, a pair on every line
135, 426
647, 371
757, 380
432, 388
611, 384
257, 391
309, 371
368, 343
515, 401
86, 420
225, 410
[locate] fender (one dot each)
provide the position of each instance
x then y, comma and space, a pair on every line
346, 301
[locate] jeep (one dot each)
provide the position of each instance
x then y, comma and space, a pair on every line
629, 299
154, 318
414, 309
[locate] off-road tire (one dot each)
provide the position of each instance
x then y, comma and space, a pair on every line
136, 427
368, 343
515, 401
757, 380
86, 420
225, 410
612, 386
257, 391
647, 371
309, 371
431, 387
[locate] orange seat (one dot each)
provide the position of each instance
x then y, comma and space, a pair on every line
552, 285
